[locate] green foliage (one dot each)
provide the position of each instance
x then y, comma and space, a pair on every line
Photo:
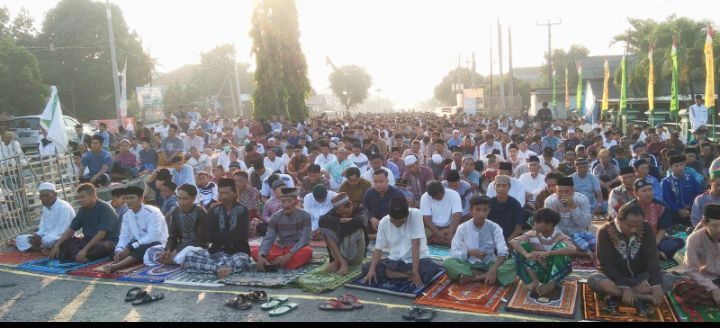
282, 85
563, 59
21, 89
216, 77
350, 84
444, 92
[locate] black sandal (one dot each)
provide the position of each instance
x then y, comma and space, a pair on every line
239, 302
134, 294
425, 315
259, 296
149, 299
410, 316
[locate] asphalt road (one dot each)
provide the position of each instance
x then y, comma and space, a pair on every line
26, 296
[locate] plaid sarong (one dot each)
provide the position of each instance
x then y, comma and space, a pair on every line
201, 261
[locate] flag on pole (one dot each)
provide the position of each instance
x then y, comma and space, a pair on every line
675, 85
579, 96
606, 88
710, 73
554, 79
53, 122
623, 87
123, 92
651, 83
567, 87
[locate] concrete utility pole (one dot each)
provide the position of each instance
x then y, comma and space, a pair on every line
549, 25
489, 104
511, 91
502, 75
113, 59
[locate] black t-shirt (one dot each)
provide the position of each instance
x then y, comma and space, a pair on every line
508, 215
101, 217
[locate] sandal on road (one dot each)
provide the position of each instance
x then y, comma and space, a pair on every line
134, 295
149, 299
410, 316
239, 302
335, 305
425, 315
273, 303
351, 300
259, 296
283, 309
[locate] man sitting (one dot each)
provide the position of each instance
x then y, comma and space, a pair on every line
126, 163
377, 200
376, 163
629, 269
318, 203
57, 215
588, 185
624, 193
517, 191
98, 162
227, 232
575, 215
680, 190
100, 226
659, 217
355, 186
199, 161
551, 181
344, 232
403, 232
207, 190
167, 192
454, 182
186, 227
181, 172
473, 255
442, 213
313, 179
505, 210
288, 236
143, 227
543, 254
703, 262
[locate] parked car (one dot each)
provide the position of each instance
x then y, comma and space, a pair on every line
27, 130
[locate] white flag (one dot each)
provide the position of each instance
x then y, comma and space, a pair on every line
123, 92
53, 122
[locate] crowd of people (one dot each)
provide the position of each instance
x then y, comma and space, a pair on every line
509, 197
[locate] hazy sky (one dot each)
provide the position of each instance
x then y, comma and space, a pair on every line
406, 45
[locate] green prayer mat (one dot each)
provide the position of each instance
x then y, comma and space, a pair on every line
689, 313
318, 281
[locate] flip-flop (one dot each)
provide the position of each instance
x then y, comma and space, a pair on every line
134, 294
410, 316
335, 305
283, 309
425, 315
274, 303
350, 300
239, 302
149, 299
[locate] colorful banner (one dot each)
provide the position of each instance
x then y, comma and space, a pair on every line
567, 87
606, 88
53, 122
651, 83
554, 95
580, 86
623, 87
675, 85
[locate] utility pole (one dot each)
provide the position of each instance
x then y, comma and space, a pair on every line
502, 75
511, 91
237, 82
549, 25
113, 59
474, 70
489, 103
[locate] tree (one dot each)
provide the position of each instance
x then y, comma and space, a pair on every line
23, 29
444, 92
78, 56
563, 59
350, 84
21, 89
216, 76
4, 19
282, 85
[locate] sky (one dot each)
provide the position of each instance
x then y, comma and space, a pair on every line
407, 46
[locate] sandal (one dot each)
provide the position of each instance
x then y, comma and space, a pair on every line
259, 296
350, 300
425, 315
335, 305
283, 309
239, 302
149, 299
134, 295
410, 316
274, 303
611, 305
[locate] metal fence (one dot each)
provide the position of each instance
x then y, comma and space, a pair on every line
20, 206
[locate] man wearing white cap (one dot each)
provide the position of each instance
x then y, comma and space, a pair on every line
56, 217
417, 176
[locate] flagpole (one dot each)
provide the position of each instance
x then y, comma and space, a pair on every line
113, 59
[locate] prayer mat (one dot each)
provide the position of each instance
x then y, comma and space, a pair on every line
318, 281
55, 267
594, 309
581, 276
282, 278
582, 265
473, 297
15, 257
153, 275
195, 279
690, 313
560, 304
397, 287
439, 252
668, 264
95, 271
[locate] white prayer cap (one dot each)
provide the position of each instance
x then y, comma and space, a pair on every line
410, 160
456, 131
437, 159
46, 186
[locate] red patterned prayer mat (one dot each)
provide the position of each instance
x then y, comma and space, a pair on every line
95, 271
473, 297
560, 304
594, 309
15, 257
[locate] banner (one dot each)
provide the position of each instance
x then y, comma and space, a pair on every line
554, 95
623, 86
123, 91
53, 122
580, 86
150, 97
651, 83
606, 88
675, 85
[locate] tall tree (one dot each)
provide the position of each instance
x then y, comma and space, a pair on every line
23, 29
77, 59
444, 91
563, 59
216, 76
281, 80
21, 89
350, 84
4, 20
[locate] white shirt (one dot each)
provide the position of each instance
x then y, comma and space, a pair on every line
276, 165
517, 191
55, 221
519, 124
483, 150
47, 150
533, 185
524, 155
204, 163
10, 150
698, 116
399, 239
162, 130
607, 144
323, 160
369, 172
489, 239
443, 210
361, 161
317, 209
555, 163
266, 191
195, 141
142, 228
